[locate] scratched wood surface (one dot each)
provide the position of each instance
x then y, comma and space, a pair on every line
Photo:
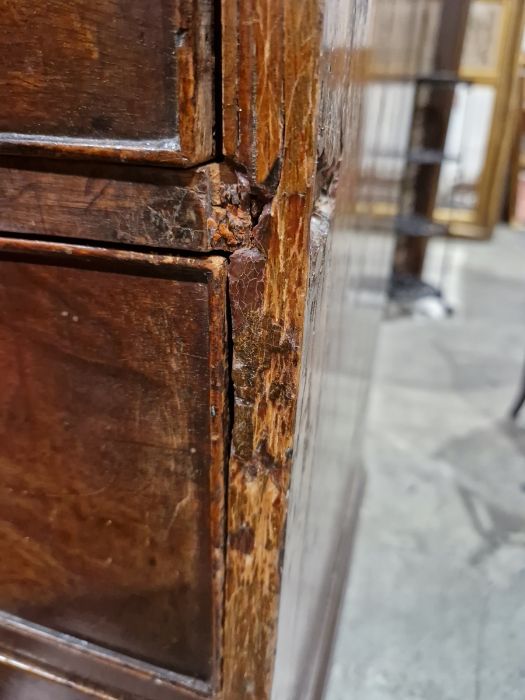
198, 209
349, 265
111, 449
105, 78
268, 287
285, 107
253, 51
291, 148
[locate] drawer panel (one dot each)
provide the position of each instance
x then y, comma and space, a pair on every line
198, 209
18, 681
112, 421
159, 207
129, 79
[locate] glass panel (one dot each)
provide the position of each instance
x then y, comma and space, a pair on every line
396, 23
483, 38
466, 148
385, 140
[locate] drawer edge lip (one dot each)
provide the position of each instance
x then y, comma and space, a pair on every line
157, 264
141, 151
71, 656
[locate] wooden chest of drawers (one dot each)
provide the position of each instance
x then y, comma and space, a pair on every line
175, 202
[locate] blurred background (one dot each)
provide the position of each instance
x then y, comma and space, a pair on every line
435, 605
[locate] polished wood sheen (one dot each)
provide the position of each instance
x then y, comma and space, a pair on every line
18, 681
111, 426
117, 462
122, 79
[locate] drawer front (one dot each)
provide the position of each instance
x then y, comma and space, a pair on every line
112, 420
18, 681
198, 209
124, 79
161, 207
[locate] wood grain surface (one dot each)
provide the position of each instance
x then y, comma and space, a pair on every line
253, 54
327, 476
112, 425
289, 120
268, 284
115, 364
200, 209
125, 80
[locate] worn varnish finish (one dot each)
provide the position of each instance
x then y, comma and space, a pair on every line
19, 680
266, 212
268, 286
199, 209
127, 80
269, 282
253, 68
112, 449
348, 268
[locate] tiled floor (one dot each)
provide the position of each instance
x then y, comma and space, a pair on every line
436, 604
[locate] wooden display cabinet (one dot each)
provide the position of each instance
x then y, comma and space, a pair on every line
482, 125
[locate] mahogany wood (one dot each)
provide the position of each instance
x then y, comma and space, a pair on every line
112, 449
118, 363
125, 80
298, 170
196, 209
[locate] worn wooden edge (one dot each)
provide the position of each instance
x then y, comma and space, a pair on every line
268, 282
268, 287
252, 87
195, 65
199, 209
67, 653
219, 437
154, 264
61, 656
230, 69
166, 151
302, 669
117, 171
292, 595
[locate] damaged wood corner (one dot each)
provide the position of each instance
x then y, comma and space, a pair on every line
267, 287
237, 210
267, 306
271, 146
